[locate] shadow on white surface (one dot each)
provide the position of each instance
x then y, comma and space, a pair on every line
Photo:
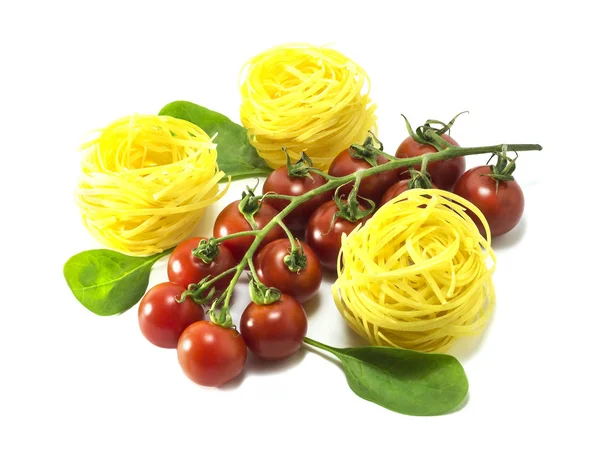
462, 405
257, 366
313, 305
512, 237
329, 276
234, 383
466, 347
352, 339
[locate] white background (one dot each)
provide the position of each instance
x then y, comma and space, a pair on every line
527, 72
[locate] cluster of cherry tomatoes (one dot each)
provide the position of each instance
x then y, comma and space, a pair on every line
212, 355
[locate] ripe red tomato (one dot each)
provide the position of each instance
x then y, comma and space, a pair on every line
185, 269
230, 220
162, 319
443, 173
280, 182
371, 187
396, 189
273, 272
503, 210
211, 355
274, 331
325, 239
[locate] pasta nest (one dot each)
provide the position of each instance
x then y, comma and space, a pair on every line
418, 274
146, 181
304, 98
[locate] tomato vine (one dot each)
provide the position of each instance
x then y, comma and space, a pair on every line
219, 311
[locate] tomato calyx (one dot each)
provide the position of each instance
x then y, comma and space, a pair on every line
249, 205
504, 168
419, 179
222, 318
428, 134
300, 169
261, 294
296, 259
207, 250
369, 151
351, 209
201, 293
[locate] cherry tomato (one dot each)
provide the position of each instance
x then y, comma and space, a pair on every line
274, 331
371, 187
211, 355
397, 189
443, 173
325, 239
162, 319
231, 221
503, 210
280, 182
185, 269
273, 272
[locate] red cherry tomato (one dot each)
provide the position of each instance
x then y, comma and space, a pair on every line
274, 331
162, 319
443, 173
273, 272
185, 269
325, 239
211, 355
371, 187
280, 182
396, 189
503, 210
231, 221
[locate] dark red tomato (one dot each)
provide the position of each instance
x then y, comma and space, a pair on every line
280, 182
325, 239
274, 331
162, 319
396, 189
231, 221
371, 187
185, 269
211, 355
503, 210
443, 173
273, 272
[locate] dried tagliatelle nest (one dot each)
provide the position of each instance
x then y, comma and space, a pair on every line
418, 274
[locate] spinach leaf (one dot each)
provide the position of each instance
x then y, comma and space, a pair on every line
235, 155
405, 381
108, 282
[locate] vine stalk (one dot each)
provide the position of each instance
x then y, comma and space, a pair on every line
446, 152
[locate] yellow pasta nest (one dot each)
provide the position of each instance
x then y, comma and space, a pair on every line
304, 98
146, 181
418, 274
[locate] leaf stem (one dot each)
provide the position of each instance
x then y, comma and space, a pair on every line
318, 344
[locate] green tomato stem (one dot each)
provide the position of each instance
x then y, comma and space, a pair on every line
252, 269
333, 183
254, 232
276, 196
289, 235
219, 276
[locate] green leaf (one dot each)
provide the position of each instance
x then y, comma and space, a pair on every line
405, 381
108, 282
235, 155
